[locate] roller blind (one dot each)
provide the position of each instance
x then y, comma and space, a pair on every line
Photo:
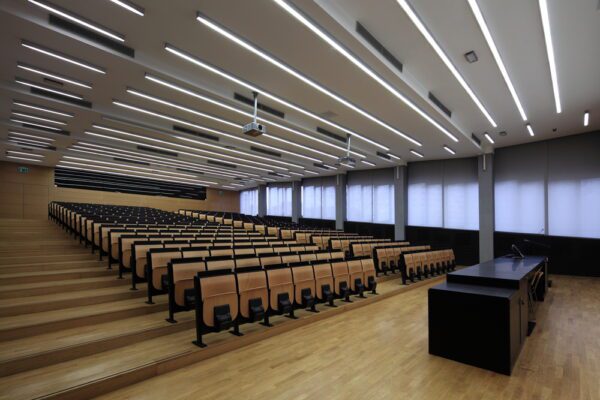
249, 202
279, 200
370, 196
318, 198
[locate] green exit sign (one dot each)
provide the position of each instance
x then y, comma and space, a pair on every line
23, 170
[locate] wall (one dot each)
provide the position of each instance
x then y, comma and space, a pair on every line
27, 195
465, 243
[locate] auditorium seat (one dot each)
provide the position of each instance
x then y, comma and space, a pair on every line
281, 290
253, 295
357, 284
341, 279
304, 286
181, 273
324, 283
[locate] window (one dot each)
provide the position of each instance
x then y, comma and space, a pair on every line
444, 194
519, 188
279, 200
249, 202
370, 196
318, 198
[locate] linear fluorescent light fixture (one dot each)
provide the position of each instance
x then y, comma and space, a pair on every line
489, 138
449, 150
25, 154
33, 85
492, 45
129, 6
530, 130
77, 20
394, 156
279, 64
436, 47
27, 141
62, 57
18, 121
53, 76
586, 118
40, 108
52, 121
23, 159
250, 115
367, 163
550, 51
311, 172
416, 153
15, 133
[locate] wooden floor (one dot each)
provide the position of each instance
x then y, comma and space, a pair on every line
380, 352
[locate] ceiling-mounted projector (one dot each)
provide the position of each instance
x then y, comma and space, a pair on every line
346, 161
253, 128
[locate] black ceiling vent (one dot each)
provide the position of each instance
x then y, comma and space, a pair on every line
54, 82
195, 133
332, 135
130, 161
39, 128
29, 146
157, 151
56, 96
362, 31
476, 139
189, 171
221, 164
321, 166
383, 155
91, 35
268, 152
441, 105
261, 106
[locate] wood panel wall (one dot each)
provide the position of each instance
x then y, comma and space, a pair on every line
27, 195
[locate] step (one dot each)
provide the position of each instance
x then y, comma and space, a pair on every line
29, 259
50, 287
67, 299
30, 250
52, 348
51, 266
55, 275
27, 325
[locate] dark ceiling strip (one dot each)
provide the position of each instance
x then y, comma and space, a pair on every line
261, 106
362, 31
56, 96
195, 133
332, 135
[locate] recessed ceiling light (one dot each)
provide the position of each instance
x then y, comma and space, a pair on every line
35, 124
15, 133
53, 76
449, 150
55, 10
52, 121
33, 85
492, 45
21, 153
550, 51
502, 133
489, 138
350, 57
437, 48
115, 164
129, 6
586, 118
250, 115
62, 57
530, 130
40, 108
416, 153
367, 163
263, 93
471, 57
23, 159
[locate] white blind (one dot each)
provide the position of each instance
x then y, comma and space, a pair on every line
444, 194
249, 202
519, 188
574, 186
370, 196
279, 200
318, 198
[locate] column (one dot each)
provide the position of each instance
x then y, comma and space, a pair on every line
486, 207
400, 200
262, 200
296, 200
340, 201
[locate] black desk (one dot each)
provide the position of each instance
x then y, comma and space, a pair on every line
480, 316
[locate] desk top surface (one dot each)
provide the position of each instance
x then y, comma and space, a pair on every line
505, 268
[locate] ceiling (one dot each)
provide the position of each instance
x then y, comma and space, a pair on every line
339, 96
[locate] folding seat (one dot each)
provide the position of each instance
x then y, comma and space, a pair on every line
270, 260
395, 257
335, 244
341, 280
262, 229
381, 258
210, 218
287, 234
323, 255
245, 250
216, 303
140, 259
296, 248
220, 251
337, 255
308, 256
263, 250
253, 295
238, 224
156, 270
220, 262
369, 274
411, 266
304, 286
357, 283
195, 252
289, 258
452, 259
281, 290
311, 248
324, 283
281, 249
181, 274
273, 231
247, 261
248, 226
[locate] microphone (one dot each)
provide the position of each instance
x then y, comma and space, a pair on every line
518, 253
